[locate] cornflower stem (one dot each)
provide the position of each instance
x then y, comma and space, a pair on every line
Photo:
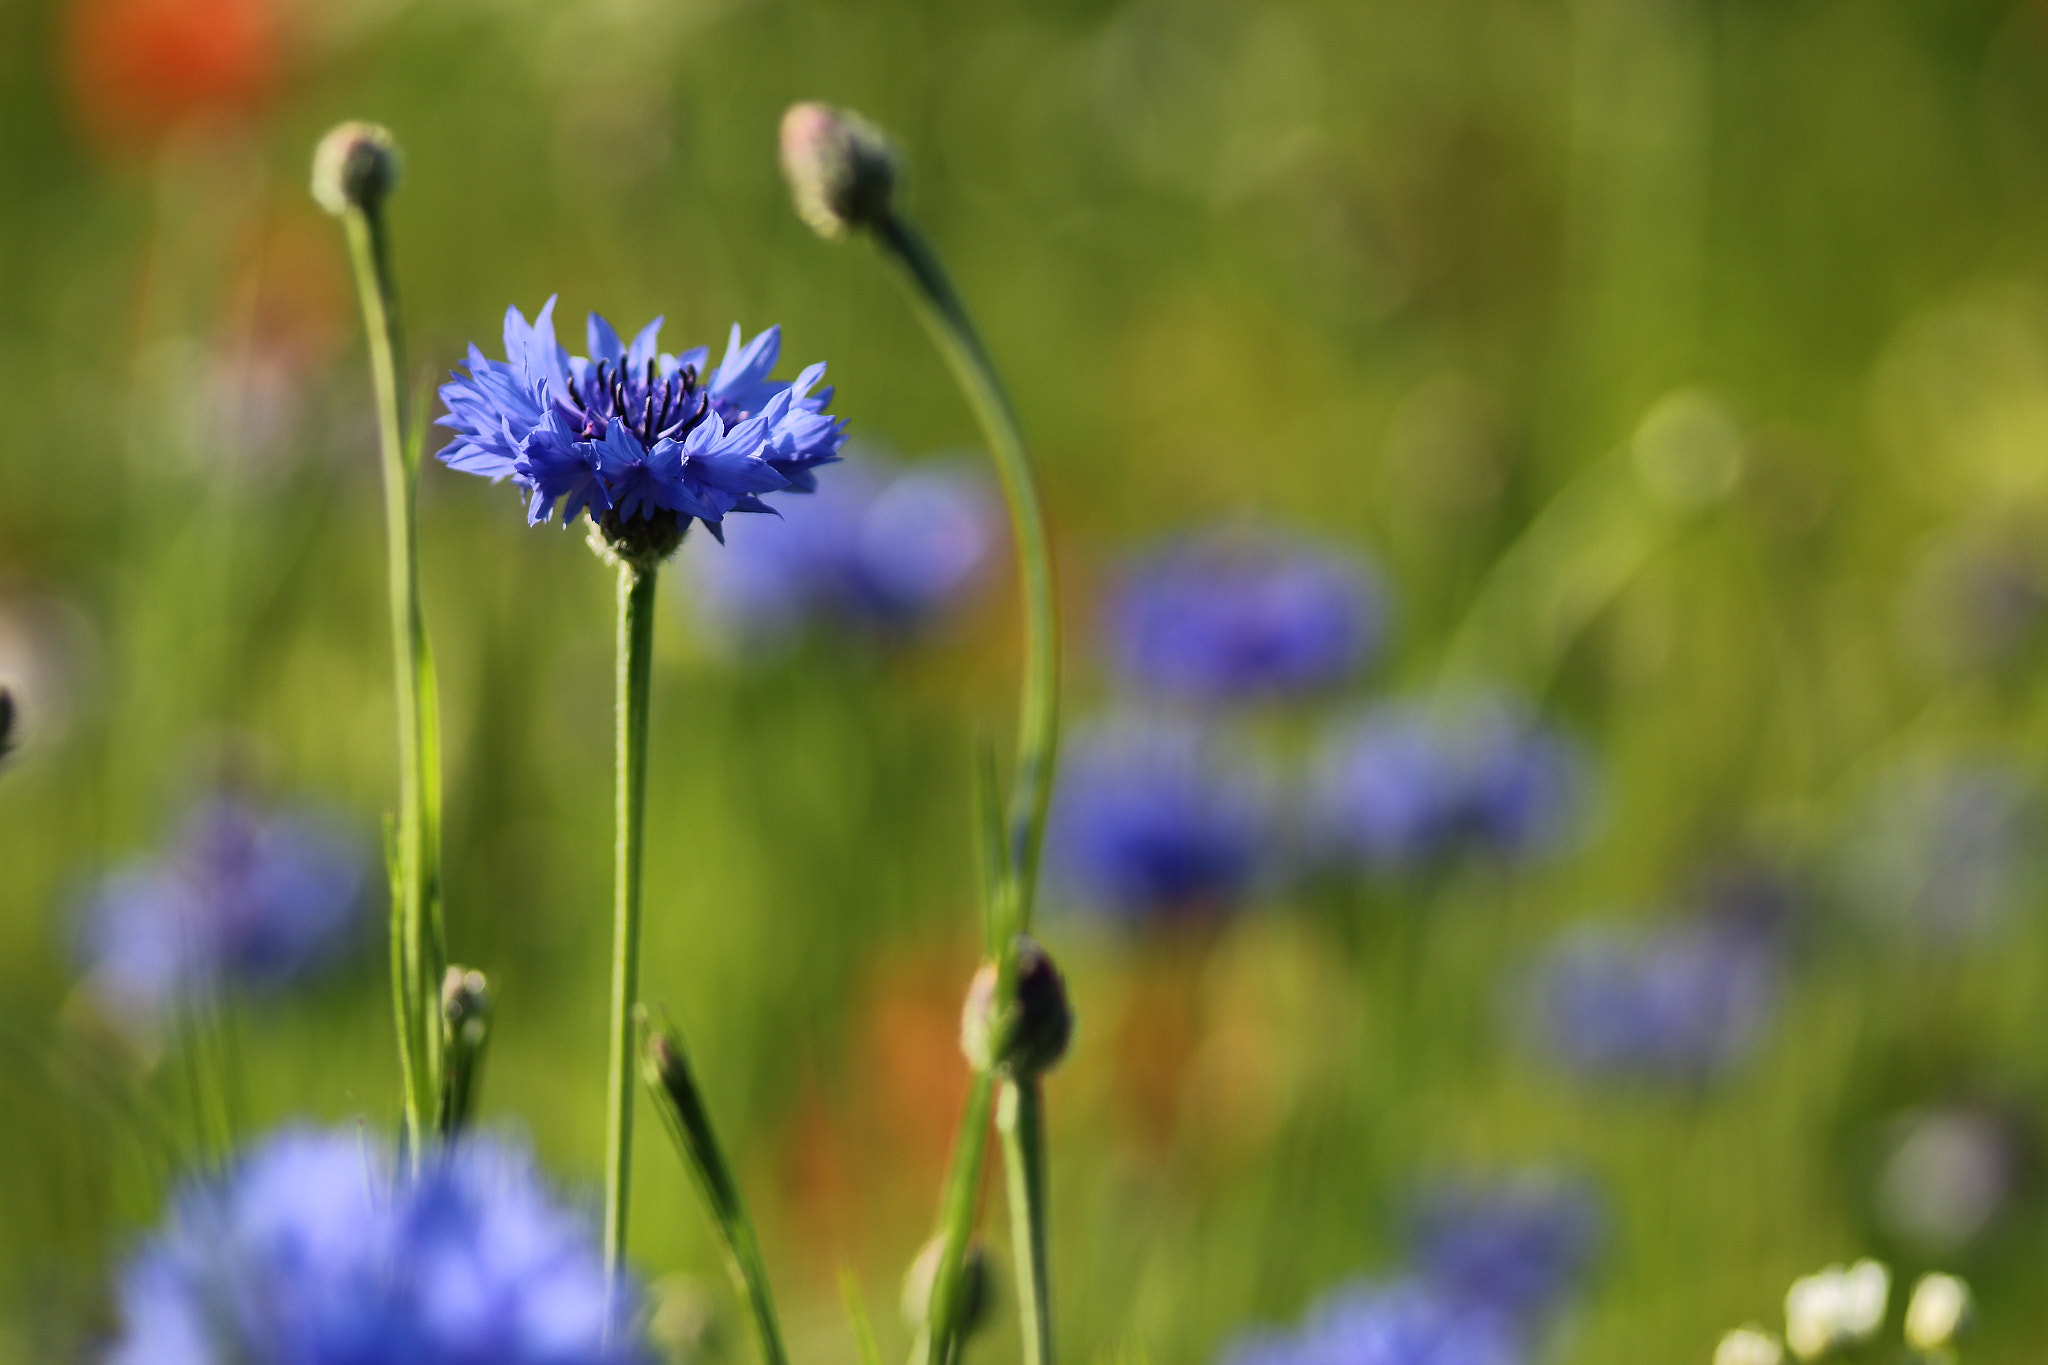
418, 951
635, 670
937, 1343
1020, 1119
688, 1119
1012, 898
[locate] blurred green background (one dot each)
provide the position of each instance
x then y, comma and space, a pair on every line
1676, 360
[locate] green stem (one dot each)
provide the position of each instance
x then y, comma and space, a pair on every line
636, 657
417, 957
935, 1344
681, 1105
945, 317
1020, 1118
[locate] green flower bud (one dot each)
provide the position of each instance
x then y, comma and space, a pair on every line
354, 167
1029, 1037
1937, 1313
977, 1286
841, 168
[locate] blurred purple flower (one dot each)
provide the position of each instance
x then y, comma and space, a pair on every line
1948, 853
1510, 1248
1405, 785
1403, 1322
1223, 617
633, 432
1148, 823
888, 550
313, 1250
241, 898
1683, 1001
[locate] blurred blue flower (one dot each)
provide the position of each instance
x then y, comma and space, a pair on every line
242, 898
1222, 617
1512, 1248
1149, 823
885, 549
1403, 1322
635, 432
1947, 852
1684, 1001
1405, 785
311, 1250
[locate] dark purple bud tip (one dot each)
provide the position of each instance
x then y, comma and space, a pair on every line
977, 1287
6, 724
1030, 1034
354, 167
841, 168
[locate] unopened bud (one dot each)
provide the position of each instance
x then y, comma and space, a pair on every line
1748, 1346
1937, 1313
1024, 1039
465, 1033
6, 724
354, 167
977, 1287
841, 168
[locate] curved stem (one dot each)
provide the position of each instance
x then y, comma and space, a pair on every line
636, 657
1020, 1118
418, 952
936, 1343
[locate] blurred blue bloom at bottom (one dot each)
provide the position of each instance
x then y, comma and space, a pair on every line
1402, 1322
310, 1251
1510, 1247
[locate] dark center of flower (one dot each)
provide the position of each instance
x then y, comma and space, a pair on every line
653, 406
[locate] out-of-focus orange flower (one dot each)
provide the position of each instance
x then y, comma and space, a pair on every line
141, 68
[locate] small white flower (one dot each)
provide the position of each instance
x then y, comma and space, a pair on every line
1835, 1307
1938, 1310
1749, 1346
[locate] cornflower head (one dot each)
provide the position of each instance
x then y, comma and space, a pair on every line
1231, 617
313, 1249
1149, 823
242, 898
885, 550
1402, 1322
1512, 1248
1685, 1001
643, 441
1404, 786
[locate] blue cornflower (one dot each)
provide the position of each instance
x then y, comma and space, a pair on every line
313, 1250
242, 898
630, 433
1402, 1322
1148, 822
884, 549
1685, 1001
1514, 1248
1222, 617
1404, 785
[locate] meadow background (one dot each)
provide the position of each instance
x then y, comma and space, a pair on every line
1681, 364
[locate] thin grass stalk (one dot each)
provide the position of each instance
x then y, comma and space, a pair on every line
635, 673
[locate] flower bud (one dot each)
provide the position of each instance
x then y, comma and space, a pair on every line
1748, 1346
465, 1033
1937, 1313
6, 724
977, 1286
1024, 1039
354, 167
841, 168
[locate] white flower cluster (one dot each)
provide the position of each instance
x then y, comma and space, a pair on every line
1842, 1307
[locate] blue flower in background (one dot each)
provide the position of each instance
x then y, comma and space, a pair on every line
1149, 823
1947, 852
1232, 618
242, 898
885, 549
311, 1251
1684, 1001
1402, 1322
635, 433
1405, 785
1511, 1248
